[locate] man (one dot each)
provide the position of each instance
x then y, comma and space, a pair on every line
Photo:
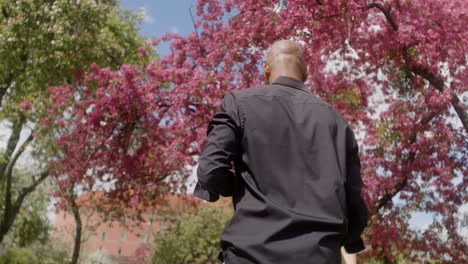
296, 185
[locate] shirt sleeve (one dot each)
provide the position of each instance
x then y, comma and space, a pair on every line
357, 210
222, 147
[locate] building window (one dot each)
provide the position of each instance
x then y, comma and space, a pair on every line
103, 235
119, 251
122, 236
143, 238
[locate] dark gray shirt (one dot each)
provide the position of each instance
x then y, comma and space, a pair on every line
296, 184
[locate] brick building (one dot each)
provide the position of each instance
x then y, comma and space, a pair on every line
118, 240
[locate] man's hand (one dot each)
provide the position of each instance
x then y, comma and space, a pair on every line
352, 258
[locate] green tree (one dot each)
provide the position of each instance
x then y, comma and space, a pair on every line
18, 256
31, 224
52, 252
46, 254
192, 237
46, 43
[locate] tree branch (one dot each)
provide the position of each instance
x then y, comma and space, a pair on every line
386, 13
202, 50
439, 85
4, 87
433, 79
11, 164
397, 188
404, 181
27, 190
11, 210
11, 145
77, 217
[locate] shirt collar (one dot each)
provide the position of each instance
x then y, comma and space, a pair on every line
291, 82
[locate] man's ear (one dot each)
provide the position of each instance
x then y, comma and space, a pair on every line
305, 74
267, 70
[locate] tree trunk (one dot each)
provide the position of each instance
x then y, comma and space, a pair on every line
388, 261
17, 126
77, 217
5, 226
11, 210
4, 85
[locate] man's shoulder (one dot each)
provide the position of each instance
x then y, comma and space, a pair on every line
339, 116
269, 90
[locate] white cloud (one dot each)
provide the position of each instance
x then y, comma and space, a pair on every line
147, 18
174, 30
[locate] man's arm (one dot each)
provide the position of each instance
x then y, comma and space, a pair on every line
357, 210
214, 173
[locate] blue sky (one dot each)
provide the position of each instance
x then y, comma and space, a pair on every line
162, 16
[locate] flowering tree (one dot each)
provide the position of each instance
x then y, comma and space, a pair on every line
43, 43
395, 69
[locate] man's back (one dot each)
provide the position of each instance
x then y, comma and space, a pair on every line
296, 174
289, 148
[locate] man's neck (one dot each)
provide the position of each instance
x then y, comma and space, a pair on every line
273, 77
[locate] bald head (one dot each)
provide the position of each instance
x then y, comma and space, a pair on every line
285, 58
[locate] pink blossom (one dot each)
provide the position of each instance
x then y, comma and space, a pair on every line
25, 105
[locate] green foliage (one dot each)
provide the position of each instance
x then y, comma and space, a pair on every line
52, 253
43, 255
192, 237
46, 43
18, 256
49, 42
31, 224
346, 94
